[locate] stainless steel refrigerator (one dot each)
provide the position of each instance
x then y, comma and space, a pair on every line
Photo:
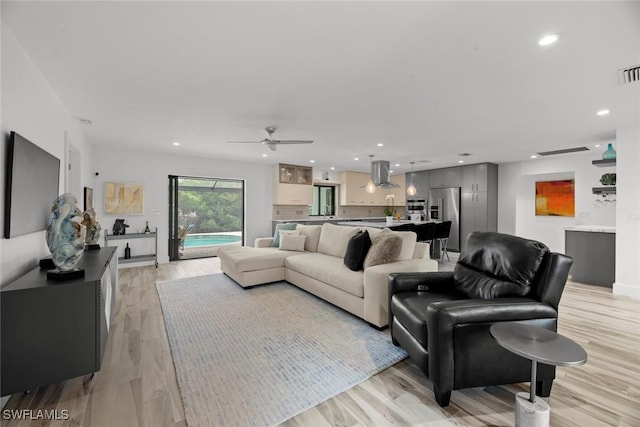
444, 205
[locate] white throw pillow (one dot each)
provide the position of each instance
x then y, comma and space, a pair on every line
289, 233
292, 242
313, 236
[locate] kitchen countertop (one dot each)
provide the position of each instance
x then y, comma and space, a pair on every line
331, 218
593, 228
381, 224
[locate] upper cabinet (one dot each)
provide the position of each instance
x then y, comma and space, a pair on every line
474, 177
444, 178
420, 180
400, 193
353, 193
294, 174
293, 185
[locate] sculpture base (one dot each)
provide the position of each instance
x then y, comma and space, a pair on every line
47, 264
92, 247
63, 276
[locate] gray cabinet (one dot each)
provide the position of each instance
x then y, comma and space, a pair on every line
594, 257
445, 178
479, 200
421, 182
53, 331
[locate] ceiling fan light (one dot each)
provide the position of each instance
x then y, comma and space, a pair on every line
412, 190
370, 187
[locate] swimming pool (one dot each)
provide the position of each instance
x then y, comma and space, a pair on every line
199, 241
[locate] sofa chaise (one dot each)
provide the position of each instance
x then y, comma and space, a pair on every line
320, 269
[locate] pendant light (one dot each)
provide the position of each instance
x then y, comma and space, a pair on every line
411, 189
370, 187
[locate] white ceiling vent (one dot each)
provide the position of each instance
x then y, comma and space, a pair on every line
629, 74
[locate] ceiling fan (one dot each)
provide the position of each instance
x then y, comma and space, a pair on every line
270, 142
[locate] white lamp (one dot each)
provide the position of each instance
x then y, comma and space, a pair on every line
411, 189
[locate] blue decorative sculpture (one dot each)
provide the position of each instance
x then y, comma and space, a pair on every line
65, 233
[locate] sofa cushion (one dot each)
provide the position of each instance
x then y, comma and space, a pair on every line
357, 250
313, 236
330, 270
276, 233
335, 238
494, 265
244, 258
385, 248
409, 239
291, 242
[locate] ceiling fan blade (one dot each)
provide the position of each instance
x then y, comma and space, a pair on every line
272, 147
244, 142
293, 141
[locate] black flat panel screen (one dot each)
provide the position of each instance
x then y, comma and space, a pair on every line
32, 185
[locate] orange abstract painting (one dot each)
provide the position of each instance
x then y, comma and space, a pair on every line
555, 198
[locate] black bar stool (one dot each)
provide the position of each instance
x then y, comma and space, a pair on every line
425, 234
442, 235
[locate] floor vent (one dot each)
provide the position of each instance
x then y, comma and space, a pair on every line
565, 151
629, 74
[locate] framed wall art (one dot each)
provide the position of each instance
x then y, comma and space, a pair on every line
555, 198
123, 198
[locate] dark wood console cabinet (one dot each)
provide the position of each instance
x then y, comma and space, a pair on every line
53, 331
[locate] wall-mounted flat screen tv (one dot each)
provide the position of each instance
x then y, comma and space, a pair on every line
32, 185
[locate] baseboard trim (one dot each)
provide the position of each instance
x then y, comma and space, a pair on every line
626, 290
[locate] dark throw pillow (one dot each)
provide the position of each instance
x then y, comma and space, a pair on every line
357, 250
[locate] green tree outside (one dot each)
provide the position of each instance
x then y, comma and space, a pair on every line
209, 205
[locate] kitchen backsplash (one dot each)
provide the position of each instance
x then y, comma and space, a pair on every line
302, 212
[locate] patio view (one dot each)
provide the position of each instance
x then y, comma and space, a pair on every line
209, 214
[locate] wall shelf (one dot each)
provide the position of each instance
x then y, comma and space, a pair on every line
604, 163
604, 190
136, 258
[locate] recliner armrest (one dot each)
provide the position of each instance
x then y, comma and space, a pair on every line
415, 282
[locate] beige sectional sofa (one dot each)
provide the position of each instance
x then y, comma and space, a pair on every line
320, 269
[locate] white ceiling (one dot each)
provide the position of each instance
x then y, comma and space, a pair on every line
428, 79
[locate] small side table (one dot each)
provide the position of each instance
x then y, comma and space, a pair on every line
538, 345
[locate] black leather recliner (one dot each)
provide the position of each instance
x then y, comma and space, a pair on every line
442, 319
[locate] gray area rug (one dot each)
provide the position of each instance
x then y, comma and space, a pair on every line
250, 357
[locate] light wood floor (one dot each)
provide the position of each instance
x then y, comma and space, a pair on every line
137, 384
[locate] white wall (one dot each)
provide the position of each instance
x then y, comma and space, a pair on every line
627, 105
153, 169
516, 197
31, 108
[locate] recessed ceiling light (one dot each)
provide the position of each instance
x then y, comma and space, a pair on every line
533, 156
548, 39
390, 170
333, 168
176, 143
397, 165
597, 145
460, 161
603, 112
380, 144
265, 155
355, 158
312, 161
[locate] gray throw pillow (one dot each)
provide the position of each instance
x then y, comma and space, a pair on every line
276, 234
385, 248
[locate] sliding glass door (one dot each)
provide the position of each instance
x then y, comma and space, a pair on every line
204, 215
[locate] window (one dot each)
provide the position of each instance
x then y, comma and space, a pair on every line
324, 197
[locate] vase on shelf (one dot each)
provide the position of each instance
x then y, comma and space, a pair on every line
608, 179
610, 153
389, 220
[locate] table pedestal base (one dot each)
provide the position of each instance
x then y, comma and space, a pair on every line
530, 414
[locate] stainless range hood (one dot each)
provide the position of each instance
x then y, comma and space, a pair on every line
380, 174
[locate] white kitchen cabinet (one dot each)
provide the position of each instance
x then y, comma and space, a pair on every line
292, 194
